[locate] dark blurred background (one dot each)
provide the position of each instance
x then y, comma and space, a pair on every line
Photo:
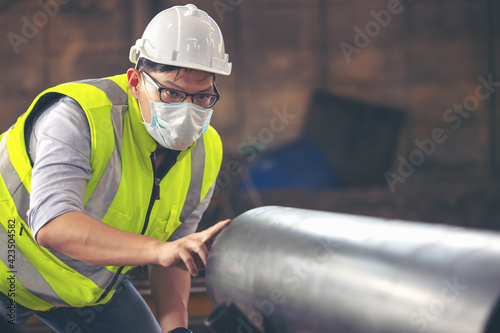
325, 103
376, 107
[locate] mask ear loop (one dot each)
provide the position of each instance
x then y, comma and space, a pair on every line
149, 99
140, 109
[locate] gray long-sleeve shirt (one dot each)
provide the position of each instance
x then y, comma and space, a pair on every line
59, 147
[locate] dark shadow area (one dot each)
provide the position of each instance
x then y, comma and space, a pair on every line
493, 325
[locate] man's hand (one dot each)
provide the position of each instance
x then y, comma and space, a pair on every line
190, 253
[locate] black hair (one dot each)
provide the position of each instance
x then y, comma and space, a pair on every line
148, 66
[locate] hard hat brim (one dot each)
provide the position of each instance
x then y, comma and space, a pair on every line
223, 66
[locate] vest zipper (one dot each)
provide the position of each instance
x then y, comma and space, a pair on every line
156, 188
108, 288
155, 195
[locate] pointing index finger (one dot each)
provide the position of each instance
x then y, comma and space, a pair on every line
214, 230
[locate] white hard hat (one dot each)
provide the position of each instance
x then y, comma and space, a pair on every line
183, 36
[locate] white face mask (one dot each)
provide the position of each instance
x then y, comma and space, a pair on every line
177, 125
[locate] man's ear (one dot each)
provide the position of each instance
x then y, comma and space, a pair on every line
134, 78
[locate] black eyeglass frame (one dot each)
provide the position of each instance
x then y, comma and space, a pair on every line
160, 89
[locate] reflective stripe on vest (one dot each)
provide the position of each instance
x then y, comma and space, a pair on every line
16, 188
100, 200
194, 190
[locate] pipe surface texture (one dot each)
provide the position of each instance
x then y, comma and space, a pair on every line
296, 270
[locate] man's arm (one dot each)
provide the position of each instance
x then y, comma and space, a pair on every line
170, 289
86, 239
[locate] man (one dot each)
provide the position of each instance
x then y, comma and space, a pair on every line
97, 175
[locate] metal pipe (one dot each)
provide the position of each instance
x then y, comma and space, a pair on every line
296, 270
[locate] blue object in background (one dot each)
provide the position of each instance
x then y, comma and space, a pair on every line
299, 164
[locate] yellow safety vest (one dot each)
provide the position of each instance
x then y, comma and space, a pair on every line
119, 193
